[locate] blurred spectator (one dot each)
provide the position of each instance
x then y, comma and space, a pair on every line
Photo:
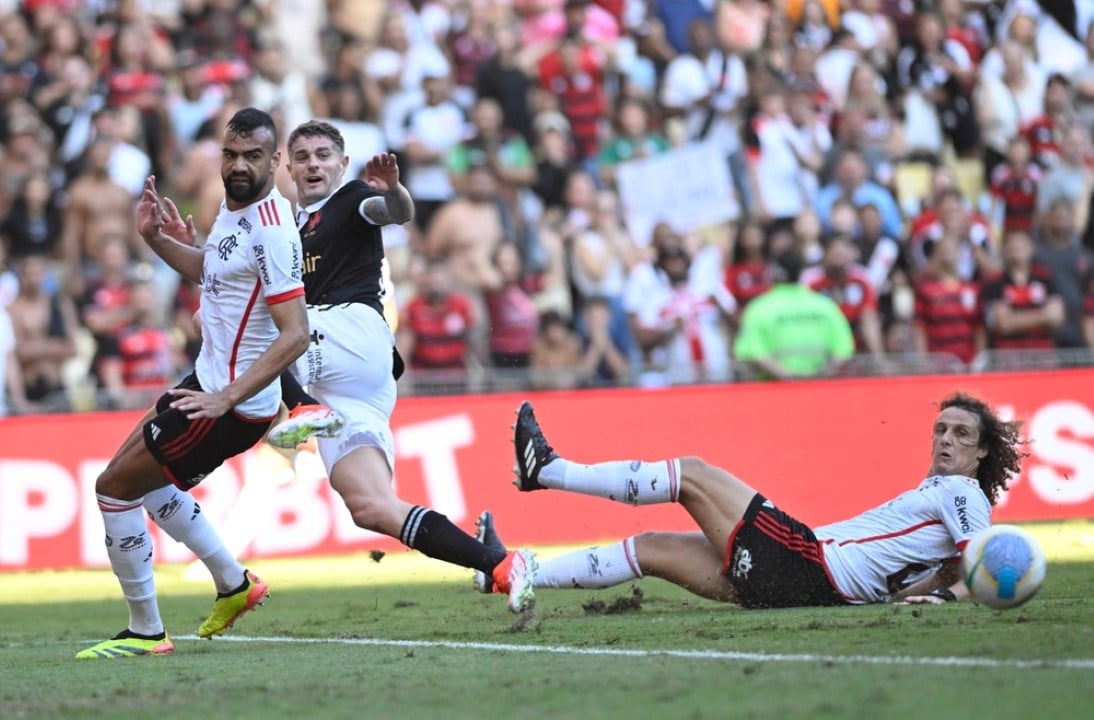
97, 209
193, 100
873, 30
348, 69
743, 24
399, 69
556, 354
13, 398
1069, 264
138, 56
852, 134
553, 161
1021, 305
881, 254
677, 18
812, 30
138, 360
1071, 179
33, 225
964, 26
26, 152
502, 78
185, 323
602, 361
281, 89
791, 331
774, 163
68, 105
834, 66
749, 273
1046, 132
1006, 104
679, 317
18, 71
633, 138
351, 113
432, 129
948, 317
938, 74
470, 48
45, 327
847, 283
976, 256
574, 74
434, 328
1083, 82
707, 88
509, 158
511, 312
128, 165
467, 232
105, 306
1014, 187
603, 254
850, 181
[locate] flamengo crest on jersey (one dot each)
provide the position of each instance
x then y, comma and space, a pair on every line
252, 260
873, 555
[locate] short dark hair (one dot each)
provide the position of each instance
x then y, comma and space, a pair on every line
1000, 437
246, 121
789, 266
318, 128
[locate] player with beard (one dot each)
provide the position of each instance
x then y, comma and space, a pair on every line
254, 324
351, 364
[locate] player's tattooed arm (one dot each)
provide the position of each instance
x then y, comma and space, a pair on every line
394, 207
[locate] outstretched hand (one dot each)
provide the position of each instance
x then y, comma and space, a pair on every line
382, 172
175, 227
149, 213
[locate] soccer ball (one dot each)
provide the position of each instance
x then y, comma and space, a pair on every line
1003, 566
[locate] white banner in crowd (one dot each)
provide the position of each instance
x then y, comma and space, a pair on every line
688, 187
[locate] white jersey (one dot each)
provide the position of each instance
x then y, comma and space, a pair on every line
873, 555
252, 260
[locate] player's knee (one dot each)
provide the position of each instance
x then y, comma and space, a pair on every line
113, 484
373, 514
695, 469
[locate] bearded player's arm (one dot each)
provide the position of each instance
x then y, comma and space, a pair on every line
164, 231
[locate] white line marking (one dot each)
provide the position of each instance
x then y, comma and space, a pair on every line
1069, 664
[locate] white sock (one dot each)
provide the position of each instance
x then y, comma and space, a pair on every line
627, 481
181, 517
595, 567
129, 547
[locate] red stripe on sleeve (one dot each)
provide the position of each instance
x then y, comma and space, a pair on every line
287, 295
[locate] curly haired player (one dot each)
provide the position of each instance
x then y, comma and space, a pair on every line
749, 552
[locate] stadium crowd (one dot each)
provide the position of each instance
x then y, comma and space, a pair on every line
926, 166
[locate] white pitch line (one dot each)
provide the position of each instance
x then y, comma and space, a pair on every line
1068, 664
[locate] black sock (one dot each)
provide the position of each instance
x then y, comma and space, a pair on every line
433, 534
293, 394
127, 633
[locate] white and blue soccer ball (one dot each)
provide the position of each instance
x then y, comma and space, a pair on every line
1003, 566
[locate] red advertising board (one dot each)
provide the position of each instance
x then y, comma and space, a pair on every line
822, 450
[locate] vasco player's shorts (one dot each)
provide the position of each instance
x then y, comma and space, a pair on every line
188, 450
774, 561
348, 368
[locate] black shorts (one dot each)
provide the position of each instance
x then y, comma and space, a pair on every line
774, 561
188, 450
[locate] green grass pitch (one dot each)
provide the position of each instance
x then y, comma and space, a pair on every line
408, 638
